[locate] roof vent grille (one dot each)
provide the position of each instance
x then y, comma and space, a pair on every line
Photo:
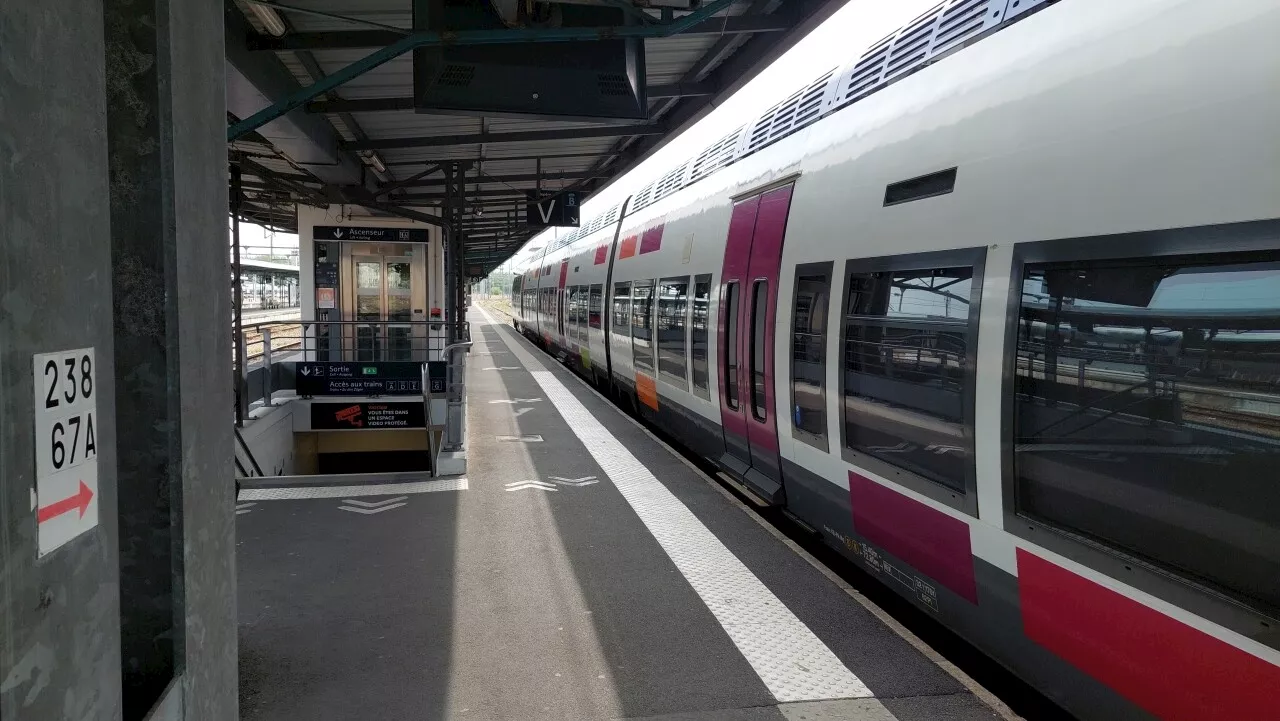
456, 76
715, 156
670, 183
613, 84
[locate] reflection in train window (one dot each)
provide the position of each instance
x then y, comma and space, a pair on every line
575, 298
596, 305
621, 309
642, 325
698, 334
673, 298
1147, 412
809, 354
906, 344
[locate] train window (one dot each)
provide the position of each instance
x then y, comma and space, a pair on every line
673, 301
1147, 412
759, 317
809, 354
573, 322
642, 325
595, 305
582, 313
621, 309
698, 333
560, 310
731, 345
907, 372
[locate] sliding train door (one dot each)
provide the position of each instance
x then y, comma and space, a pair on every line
747, 322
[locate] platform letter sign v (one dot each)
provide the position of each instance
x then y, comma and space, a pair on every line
545, 212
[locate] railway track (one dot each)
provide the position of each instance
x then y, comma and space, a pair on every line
285, 336
1242, 421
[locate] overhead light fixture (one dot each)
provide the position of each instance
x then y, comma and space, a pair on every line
269, 18
375, 162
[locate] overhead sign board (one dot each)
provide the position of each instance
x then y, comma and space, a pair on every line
560, 211
388, 378
66, 431
366, 416
369, 234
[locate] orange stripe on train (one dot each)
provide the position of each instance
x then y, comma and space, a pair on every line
647, 390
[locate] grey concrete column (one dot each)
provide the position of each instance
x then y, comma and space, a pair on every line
167, 140
59, 615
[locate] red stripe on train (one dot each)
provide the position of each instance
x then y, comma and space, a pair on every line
930, 541
1174, 671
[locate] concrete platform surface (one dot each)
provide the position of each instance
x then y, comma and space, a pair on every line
580, 570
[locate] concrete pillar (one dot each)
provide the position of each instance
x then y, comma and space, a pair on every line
113, 223
59, 615
172, 320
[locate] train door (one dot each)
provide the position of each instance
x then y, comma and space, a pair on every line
748, 315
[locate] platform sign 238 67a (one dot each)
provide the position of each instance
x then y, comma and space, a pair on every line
66, 435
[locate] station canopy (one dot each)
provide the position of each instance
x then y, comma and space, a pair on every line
462, 111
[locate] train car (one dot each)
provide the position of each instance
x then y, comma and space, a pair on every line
994, 310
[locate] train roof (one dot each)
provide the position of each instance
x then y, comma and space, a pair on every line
948, 27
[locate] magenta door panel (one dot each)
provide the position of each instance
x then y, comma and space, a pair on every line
766, 261
737, 257
753, 259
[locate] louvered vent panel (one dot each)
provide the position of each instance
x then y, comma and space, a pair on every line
670, 183
810, 106
911, 46
643, 198
870, 68
961, 21
716, 156
1018, 7
763, 128
760, 131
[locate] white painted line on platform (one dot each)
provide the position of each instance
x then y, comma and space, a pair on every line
521, 439
370, 511
382, 489
523, 485
374, 504
793, 663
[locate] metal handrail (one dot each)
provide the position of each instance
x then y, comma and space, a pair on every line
426, 400
455, 387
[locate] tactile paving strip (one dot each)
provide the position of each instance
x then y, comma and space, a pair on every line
381, 489
793, 663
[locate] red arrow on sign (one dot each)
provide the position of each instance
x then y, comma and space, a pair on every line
80, 500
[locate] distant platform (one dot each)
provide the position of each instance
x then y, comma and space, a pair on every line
270, 315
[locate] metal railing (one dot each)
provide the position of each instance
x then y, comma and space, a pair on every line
455, 403
456, 390
272, 350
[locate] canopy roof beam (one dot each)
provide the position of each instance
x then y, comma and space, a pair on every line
426, 38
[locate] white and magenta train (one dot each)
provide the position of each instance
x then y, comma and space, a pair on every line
995, 309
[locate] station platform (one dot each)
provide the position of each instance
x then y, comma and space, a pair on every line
580, 570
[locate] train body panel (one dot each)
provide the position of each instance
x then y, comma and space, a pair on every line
1093, 158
